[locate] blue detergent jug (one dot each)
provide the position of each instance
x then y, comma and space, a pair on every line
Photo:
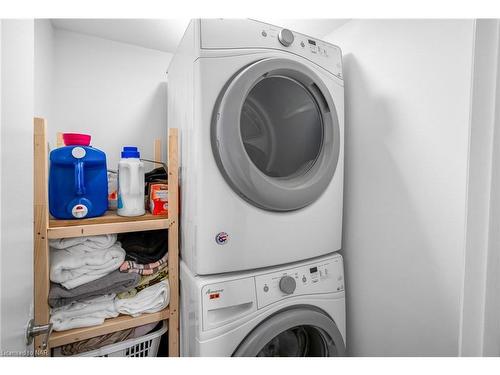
78, 183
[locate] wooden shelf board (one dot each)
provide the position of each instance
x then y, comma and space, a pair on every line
108, 223
110, 325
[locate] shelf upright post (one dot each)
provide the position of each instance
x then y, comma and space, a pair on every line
41, 219
173, 241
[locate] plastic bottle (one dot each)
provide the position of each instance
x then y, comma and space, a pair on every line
130, 183
77, 179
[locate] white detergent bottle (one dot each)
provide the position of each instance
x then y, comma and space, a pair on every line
130, 183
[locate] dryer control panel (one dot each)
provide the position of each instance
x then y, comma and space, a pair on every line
241, 34
315, 278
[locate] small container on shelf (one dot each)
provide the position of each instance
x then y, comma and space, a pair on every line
112, 191
158, 198
131, 183
78, 185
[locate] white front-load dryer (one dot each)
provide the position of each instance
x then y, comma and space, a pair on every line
261, 113
290, 311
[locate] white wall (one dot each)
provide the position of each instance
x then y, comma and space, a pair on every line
114, 91
407, 89
44, 68
16, 165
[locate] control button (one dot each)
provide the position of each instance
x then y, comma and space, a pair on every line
266, 288
285, 37
304, 279
288, 284
302, 44
264, 34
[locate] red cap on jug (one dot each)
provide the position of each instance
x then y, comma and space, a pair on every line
75, 139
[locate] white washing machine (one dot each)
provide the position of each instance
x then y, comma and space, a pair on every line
261, 113
295, 310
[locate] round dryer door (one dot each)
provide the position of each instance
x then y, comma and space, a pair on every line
298, 332
275, 134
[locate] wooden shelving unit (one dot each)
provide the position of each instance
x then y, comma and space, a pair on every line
46, 228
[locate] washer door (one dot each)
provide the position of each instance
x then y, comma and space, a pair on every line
275, 134
298, 332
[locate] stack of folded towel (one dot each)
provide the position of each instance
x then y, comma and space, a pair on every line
76, 261
84, 313
87, 273
115, 282
93, 311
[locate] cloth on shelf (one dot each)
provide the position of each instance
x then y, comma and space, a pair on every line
115, 282
156, 175
94, 242
79, 260
149, 300
145, 247
145, 329
145, 282
144, 269
94, 311
95, 343
84, 313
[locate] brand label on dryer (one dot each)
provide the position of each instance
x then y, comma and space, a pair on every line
222, 238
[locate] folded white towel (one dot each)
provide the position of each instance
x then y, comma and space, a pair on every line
149, 300
93, 311
102, 241
76, 261
84, 313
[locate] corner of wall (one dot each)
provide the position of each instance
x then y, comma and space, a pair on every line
479, 186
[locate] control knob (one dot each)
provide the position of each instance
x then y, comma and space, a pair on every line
288, 284
285, 37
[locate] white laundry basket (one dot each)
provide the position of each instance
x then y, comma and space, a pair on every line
144, 346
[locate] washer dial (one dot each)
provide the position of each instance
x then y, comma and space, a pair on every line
287, 284
285, 37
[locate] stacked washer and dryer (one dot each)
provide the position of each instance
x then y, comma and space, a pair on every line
260, 110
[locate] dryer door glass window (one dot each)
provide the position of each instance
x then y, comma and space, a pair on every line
275, 134
281, 127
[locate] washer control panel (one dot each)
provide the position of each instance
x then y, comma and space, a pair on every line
241, 34
316, 278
